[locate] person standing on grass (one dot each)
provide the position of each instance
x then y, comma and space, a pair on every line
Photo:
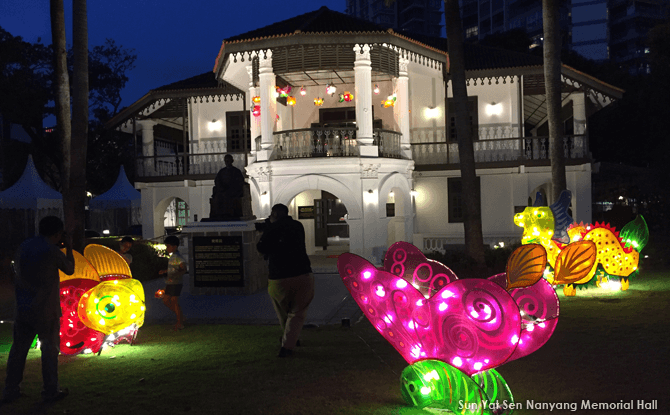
291, 282
38, 312
124, 246
174, 282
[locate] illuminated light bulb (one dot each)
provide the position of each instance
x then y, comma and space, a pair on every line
303, 92
530, 327
376, 90
419, 303
367, 275
425, 390
478, 366
457, 361
132, 316
447, 294
96, 300
67, 344
410, 325
142, 308
290, 101
515, 339
380, 291
401, 284
388, 319
442, 306
541, 325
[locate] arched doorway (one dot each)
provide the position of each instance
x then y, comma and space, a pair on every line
323, 216
175, 215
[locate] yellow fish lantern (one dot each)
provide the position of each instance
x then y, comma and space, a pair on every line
82, 269
290, 101
113, 305
107, 262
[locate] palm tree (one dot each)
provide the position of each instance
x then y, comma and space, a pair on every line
552, 85
75, 200
62, 88
472, 222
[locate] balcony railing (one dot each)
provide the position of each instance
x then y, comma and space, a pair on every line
515, 150
331, 142
197, 164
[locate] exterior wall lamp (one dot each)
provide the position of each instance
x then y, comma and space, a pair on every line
494, 109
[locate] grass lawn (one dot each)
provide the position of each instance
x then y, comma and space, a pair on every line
606, 348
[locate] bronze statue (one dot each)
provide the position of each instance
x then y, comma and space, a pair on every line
226, 200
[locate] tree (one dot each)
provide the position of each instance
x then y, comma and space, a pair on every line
108, 66
472, 222
27, 89
552, 85
62, 88
74, 196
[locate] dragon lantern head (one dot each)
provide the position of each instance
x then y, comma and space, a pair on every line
545, 222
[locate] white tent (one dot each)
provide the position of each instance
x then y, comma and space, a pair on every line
118, 208
23, 205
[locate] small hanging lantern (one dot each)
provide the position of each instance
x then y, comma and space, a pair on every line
290, 101
256, 110
256, 100
376, 90
318, 101
389, 102
303, 91
341, 98
331, 89
348, 96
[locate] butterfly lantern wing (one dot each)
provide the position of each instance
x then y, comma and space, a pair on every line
408, 262
537, 300
472, 325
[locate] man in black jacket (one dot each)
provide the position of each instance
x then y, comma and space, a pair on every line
291, 282
38, 311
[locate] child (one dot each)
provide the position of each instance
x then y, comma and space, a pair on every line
175, 272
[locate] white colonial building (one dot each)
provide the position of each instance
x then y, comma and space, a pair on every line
377, 161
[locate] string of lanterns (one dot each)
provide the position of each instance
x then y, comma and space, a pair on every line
331, 89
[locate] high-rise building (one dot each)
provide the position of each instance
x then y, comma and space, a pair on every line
590, 28
423, 17
485, 17
596, 29
629, 23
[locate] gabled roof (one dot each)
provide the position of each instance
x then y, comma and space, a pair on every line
322, 20
196, 86
205, 80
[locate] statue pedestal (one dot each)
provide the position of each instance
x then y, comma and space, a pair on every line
223, 259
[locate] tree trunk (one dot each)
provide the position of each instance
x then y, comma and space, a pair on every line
62, 90
552, 85
472, 222
75, 200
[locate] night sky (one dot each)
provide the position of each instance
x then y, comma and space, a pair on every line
173, 40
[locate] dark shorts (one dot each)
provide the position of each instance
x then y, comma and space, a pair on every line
173, 289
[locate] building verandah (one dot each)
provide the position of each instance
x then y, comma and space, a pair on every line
389, 143
353, 142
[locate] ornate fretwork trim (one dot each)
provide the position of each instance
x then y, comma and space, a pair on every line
370, 171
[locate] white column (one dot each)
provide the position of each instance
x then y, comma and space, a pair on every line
148, 145
363, 97
255, 122
402, 103
579, 125
268, 103
579, 113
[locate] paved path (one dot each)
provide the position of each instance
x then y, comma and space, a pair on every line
330, 305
